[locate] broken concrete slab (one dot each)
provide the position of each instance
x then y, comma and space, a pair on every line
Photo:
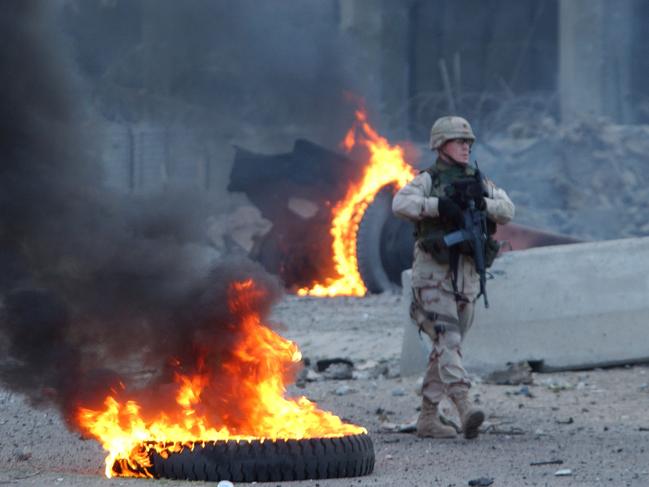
566, 306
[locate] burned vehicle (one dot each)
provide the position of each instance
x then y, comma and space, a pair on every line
297, 191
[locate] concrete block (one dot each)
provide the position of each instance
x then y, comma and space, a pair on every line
566, 305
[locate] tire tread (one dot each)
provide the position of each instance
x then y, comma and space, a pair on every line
257, 461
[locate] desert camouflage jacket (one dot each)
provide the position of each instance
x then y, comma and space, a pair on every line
415, 202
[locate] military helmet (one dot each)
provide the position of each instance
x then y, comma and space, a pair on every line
449, 128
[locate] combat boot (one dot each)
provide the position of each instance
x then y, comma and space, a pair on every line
470, 416
429, 424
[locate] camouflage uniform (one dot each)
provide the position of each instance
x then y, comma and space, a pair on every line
434, 301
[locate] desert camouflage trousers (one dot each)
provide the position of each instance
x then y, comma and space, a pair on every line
446, 321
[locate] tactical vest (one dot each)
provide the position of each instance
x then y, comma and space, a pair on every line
430, 232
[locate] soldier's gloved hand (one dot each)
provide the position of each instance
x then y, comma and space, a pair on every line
449, 210
481, 204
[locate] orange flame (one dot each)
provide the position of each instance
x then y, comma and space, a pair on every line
386, 166
242, 400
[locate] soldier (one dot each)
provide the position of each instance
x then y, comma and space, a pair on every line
443, 298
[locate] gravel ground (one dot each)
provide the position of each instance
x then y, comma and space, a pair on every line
595, 422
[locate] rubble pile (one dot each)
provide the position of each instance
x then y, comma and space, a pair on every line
345, 369
588, 179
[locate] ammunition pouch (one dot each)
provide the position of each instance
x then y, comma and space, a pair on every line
431, 241
433, 244
430, 234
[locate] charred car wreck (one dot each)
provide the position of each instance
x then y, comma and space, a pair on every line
296, 192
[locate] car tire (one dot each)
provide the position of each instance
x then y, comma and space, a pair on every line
384, 244
268, 461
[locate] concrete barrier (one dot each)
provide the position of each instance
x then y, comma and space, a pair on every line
567, 306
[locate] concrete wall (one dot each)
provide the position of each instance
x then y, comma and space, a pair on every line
147, 157
567, 305
595, 62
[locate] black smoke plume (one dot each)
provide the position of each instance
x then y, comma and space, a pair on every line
93, 284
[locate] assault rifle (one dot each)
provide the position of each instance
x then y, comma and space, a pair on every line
473, 236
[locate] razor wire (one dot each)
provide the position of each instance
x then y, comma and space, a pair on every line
490, 113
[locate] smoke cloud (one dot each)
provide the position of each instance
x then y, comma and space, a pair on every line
93, 283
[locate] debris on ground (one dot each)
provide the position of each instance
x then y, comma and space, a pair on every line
523, 391
382, 413
312, 376
564, 421
345, 369
547, 462
557, 385
325, 363
481, 482
23, 454
494, 429
388, 427
564, 472
343, 390
307, 375
339, 371
391, 440
335, 368
372, 370
367, 365
515, 374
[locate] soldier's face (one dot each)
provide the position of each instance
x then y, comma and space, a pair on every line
458, 149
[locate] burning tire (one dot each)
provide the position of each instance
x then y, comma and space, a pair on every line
384, 244
280, 460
